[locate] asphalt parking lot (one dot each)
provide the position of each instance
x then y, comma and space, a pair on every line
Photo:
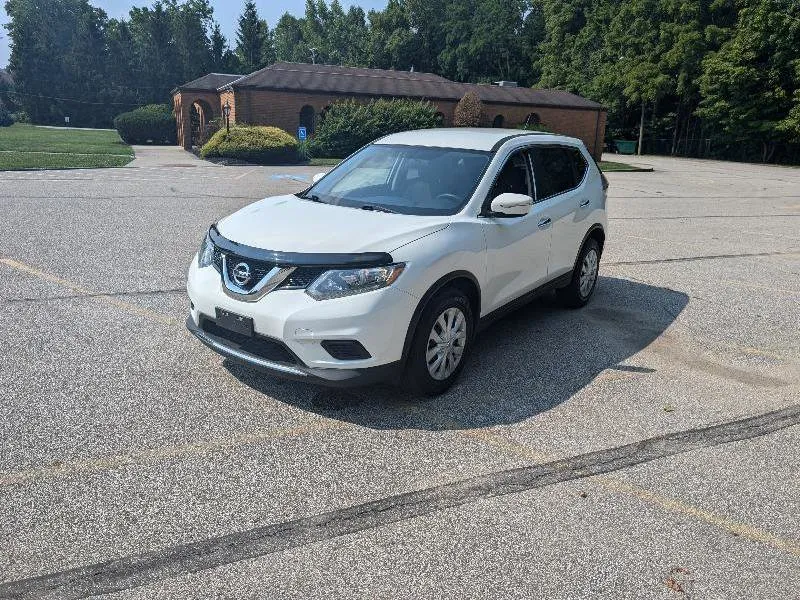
643, 447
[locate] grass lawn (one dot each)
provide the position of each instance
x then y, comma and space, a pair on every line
30, 147
324, 162
609, 167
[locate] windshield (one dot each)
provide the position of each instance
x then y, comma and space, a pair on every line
412, 180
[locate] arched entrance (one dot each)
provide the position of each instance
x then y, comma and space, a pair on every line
201, 116
533, 119
307, 118
498, 121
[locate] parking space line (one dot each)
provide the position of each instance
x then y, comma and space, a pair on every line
162, 453
616, 485
497, 441
107, 299
142, 569
199, 448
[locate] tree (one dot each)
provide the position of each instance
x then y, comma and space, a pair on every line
252, 39
58, 59
288, 39
392, 43
223, 60
750, 86
468, 111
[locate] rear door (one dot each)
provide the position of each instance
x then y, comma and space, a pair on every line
559, 172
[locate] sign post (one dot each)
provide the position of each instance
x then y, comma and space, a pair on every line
302, 134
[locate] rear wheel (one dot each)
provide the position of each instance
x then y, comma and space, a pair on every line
584, 277
440, 345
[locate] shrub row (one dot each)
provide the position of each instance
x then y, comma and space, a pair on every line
349, 125
265, 145
6, 118
153, 124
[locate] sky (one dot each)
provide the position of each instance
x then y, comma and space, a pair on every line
225, 11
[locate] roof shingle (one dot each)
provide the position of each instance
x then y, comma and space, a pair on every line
210, 82
302, 77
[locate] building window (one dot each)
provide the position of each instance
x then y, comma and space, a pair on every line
533, 119
307, 118
498, 121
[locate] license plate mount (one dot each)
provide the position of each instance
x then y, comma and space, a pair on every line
236, 323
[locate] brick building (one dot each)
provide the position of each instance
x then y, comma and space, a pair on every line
288, 95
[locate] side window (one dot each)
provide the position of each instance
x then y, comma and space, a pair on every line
553, 170
513, 178
579, 165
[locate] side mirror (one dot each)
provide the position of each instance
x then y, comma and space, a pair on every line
512, 205
317, 177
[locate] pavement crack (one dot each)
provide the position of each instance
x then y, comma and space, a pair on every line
142, 569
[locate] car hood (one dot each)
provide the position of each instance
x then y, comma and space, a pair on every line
289, 224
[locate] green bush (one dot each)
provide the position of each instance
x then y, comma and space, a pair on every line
154, 124
6, 120
538, 127
348, 125
262, 145
20, 117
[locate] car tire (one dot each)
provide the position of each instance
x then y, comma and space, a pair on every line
430, 367
584, 277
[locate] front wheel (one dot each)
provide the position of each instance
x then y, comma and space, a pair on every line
584, 277
440, 344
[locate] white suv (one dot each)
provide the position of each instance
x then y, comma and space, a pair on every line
385, 267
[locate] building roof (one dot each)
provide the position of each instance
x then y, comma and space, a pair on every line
468, 138
210, 82
303, 77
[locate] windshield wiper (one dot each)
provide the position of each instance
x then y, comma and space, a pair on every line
312, 197
382, 209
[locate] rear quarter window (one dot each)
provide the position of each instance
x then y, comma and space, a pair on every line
553, 170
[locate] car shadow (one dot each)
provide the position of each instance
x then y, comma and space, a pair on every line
526, 363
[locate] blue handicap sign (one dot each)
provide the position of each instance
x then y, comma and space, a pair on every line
301, 134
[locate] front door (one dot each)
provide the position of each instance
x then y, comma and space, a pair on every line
517, 247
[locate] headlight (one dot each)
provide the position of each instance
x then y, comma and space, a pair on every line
337, 284
205, 256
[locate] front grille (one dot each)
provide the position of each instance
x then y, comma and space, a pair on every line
260, 346
300, 278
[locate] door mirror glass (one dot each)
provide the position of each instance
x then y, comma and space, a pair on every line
317, 177
512, 205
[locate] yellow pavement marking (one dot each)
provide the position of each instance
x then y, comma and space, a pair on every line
614, 484
111, 300
181, 451
219, 445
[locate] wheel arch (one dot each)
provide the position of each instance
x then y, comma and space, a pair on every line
595, 232
462, 280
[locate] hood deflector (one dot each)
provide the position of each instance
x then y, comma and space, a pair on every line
301, 259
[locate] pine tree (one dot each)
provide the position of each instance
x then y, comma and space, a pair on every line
252, 39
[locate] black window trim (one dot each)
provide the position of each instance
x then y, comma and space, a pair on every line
563, 146
487, 201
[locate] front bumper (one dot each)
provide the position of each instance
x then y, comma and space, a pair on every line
297, 372
378, 320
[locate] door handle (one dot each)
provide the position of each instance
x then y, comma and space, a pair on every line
544, 222
584, 202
